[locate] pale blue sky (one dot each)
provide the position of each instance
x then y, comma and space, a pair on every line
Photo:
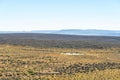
59, 14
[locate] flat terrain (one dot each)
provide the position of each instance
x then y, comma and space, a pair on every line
59, 57
60, 41
26, 63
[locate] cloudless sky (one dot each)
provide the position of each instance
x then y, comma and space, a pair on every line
23, 15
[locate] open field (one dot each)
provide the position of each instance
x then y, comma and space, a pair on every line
59, 57
30, 63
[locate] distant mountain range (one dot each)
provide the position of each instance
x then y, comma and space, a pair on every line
72, 32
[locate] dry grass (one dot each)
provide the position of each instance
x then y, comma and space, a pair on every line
26, 63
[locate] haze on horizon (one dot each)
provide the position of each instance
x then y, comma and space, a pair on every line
27, 15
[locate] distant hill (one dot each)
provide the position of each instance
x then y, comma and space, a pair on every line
72, 32
90, 32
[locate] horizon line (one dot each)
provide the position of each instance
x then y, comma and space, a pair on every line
52, 30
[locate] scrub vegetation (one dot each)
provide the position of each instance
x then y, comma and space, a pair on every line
99, 59
29, 63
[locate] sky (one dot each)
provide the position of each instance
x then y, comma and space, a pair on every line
27, 15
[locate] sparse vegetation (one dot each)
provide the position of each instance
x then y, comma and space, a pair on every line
26, 63
59, 57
